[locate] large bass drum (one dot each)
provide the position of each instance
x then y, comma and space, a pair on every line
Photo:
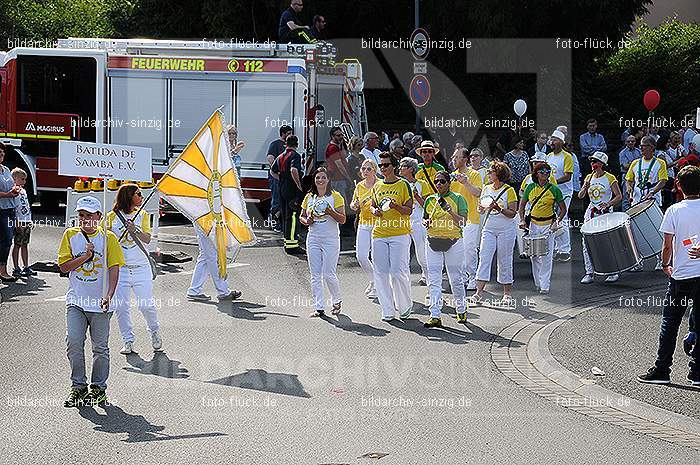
610, 243
646, 220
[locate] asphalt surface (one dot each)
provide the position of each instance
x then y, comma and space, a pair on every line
258, 382
622, 341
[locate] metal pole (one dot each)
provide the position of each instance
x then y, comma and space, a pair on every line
416, 21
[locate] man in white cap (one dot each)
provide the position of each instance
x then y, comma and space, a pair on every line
81, 255
562, 164
370, 151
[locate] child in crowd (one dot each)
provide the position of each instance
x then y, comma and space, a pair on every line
81, 255
23, 226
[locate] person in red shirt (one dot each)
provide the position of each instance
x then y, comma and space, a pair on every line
337, 164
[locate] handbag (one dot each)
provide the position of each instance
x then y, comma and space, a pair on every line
151, 262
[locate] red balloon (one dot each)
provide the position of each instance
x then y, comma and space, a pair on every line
651, 99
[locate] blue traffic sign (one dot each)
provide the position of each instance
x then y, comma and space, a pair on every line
419, 91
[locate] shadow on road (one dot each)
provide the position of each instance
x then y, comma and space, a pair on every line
160, 365
117, 421
242, 310
261, 380
360, 329
24, 286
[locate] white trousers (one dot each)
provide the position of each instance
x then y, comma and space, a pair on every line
418, 235
502, 243
519, 236
542, 265
363, 247
562, 241
139, 281
323, 253
453, 260
470, 240
206, 266
392, 275
586, 257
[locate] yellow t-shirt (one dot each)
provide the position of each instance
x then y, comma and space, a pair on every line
498, 221
431, 170
315, 205
474, 178
364, 195
85, 282
391, 223
544, 208
528, 180
132, 253
441, 223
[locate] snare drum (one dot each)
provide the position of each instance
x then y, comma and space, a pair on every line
536, 246
646, 220
610, 243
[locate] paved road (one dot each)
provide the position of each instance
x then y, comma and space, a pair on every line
622, 340
258, 382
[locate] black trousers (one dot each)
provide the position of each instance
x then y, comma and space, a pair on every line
680, 294
289, 212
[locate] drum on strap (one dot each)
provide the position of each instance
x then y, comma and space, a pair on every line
536, 246
610, 243
646, 220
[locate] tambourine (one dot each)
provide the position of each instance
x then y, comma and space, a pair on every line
486, 201
320, 206
384, 204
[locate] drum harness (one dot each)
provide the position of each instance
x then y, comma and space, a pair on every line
644, 184
529, 217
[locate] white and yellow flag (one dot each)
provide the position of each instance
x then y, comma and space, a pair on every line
204, 186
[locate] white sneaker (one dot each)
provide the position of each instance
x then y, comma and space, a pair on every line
156, 340
588, 279
127, 349
544, 291
369, 287
612, 278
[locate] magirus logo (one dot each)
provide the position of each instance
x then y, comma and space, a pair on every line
43, 128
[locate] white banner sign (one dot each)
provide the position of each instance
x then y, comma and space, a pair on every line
87, 159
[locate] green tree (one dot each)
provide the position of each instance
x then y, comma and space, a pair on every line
665, 58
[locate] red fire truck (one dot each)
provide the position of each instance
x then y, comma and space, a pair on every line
157, 93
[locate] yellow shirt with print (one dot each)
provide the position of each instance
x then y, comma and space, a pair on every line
364, 196
544, 208
431, 170
474, 178
528, 180
441, 222
392, 223
655, 174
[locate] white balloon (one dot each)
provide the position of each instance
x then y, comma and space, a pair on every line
520, 107
696, 141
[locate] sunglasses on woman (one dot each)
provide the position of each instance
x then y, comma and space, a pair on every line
385, 165
441, 181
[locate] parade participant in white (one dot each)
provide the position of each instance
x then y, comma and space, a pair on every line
392, 204
88, 300
135, 274
562, 164
362, 201
544, 198
468, 183
536, 158
445, 215
647, 175
499, 203
645, 179
322, 210
604, 191
420, 188
206, 266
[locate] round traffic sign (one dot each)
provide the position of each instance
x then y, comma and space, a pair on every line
419, 90
420, 44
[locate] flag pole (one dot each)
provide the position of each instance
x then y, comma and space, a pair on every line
105, 280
